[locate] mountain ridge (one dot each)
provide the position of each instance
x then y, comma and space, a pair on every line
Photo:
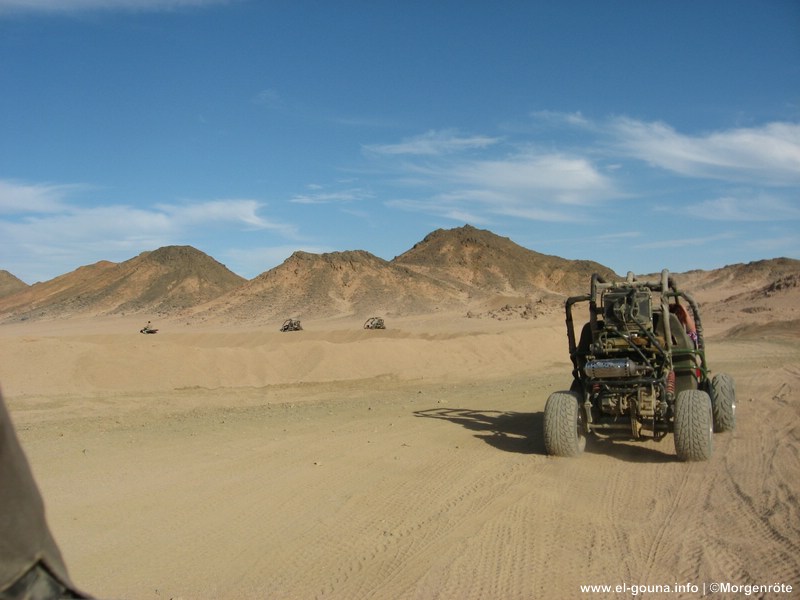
159, 282
463, 268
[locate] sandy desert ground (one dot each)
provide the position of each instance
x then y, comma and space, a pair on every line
406, 463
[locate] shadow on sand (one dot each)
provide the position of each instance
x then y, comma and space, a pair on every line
645, 451
522, 433
506, 431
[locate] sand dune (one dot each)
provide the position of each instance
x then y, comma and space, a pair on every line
85, 362
335, 462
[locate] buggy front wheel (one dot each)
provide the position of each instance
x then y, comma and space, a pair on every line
564, 433
694, 426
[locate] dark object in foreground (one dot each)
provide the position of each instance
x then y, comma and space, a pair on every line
31, 565
291, 325
374, 323
639, 371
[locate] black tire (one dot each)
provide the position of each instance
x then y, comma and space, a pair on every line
694, 426
723, 402
563, 425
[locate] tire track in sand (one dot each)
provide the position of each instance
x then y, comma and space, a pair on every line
760, 477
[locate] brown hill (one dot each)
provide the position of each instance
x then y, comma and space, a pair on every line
159, 282
457, 269
762, 291
730, 280
337, 283
480, 259
10, 284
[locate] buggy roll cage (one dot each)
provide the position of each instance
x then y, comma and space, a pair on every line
667, 289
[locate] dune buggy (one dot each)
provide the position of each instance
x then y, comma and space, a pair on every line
291, 325
374, 323
639, 371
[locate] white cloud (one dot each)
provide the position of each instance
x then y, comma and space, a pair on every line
441, 208
574, 119
523, 183
233, 211
687, 241
768, 155
621, 235
321, 197
762, 207
43, 246
484, 206
45, 209
564, 179
100, 225
59, 237
435, 143
19, 198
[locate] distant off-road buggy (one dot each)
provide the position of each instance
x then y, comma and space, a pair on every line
639, 371
148, 329
291, 325
374, 323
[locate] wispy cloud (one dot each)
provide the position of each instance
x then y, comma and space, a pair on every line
51, 235
73, 6
499, 177
241, 212
442, 207
43, 245
556, 118
435, 143
521, 183
618, 236
775, 244
19, 197
563, 179
319, 196
768, 155
268, 98
105, 225
485, 206
761, 207
371, 122
685, 241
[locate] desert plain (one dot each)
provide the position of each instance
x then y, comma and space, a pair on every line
335, 462
223, 459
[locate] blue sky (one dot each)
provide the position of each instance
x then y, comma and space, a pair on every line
641, 135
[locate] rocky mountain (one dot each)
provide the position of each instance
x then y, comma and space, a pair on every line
460, 268
337, 283
484, 261
767, 291
464, 268
10, 284
748, 277
159, 282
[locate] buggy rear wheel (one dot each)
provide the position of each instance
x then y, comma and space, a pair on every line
694, 426
723, 402
564, 433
